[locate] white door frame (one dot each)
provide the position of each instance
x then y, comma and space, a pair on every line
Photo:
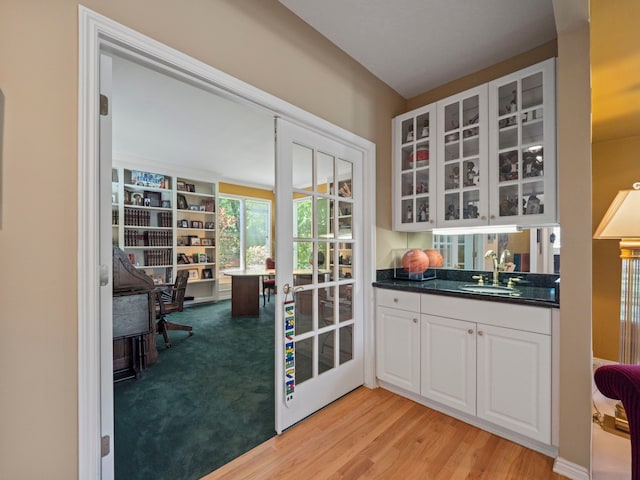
94, 30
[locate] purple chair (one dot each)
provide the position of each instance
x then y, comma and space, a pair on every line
622, 382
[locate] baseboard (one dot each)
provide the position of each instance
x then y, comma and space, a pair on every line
570, 470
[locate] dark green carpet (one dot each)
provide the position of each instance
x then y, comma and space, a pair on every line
207, 400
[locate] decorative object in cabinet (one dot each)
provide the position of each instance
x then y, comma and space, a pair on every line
522, 146
462, 159
413, 170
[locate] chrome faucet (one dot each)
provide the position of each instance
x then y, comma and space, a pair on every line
494, 257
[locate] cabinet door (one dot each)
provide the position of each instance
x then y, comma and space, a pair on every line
522, 166
448, 362
398, 348
462, 172
514, 380
413, 170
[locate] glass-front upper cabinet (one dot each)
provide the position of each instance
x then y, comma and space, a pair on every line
522, 165
462, 159
414, 177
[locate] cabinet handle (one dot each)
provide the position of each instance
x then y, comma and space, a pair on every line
415, 320
493, 217
395, 300
480, 333
470, 331
483, 217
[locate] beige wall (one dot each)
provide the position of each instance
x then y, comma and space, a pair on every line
258, 41
615, 167
615, 65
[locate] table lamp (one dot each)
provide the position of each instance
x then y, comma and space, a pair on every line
622, 222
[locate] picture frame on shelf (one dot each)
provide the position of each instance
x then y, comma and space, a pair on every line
196, 224
146, 202
191, 187
137, 199
193, 274
182, 202
206, 242
154, 199
208, 205
200, 258
147, 179
184, 223
180, 242
183, 259
195, 208
166, 203
209, 225
193, 240
180, 185
207, 273
157, 279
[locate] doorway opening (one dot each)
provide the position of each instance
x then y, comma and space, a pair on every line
98, 33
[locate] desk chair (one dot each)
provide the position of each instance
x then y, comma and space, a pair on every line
622, 382
170, 300
268, 281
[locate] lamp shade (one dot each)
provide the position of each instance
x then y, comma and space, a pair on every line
622, 219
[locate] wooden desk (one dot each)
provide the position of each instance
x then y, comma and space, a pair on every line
245, 291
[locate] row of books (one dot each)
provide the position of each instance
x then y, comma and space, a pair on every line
134, 238
158, 257
137, 218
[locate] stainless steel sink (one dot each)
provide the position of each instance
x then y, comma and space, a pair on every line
491, 289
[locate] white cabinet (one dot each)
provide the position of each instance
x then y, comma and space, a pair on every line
514, 380
413, 170
398, 338
489, 359
522, 160
461, 164
448, 362
491, 160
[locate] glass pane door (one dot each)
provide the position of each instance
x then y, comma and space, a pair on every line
318, 201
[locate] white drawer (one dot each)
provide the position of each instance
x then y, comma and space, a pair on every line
398, 299
510, 315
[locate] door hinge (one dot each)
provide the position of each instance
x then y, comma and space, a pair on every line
105, 445
104, 105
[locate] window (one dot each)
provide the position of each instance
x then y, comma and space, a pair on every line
244, 237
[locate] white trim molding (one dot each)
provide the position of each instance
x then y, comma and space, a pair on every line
570, 470
98, 32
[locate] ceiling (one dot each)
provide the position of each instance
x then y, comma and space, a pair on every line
416, 45
161, 119
412, 45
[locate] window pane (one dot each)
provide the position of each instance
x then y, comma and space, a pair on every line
257, 226
229, 233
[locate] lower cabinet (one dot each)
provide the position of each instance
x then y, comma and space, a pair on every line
448, 362
398, 339
514, 380
398, 351
487, 359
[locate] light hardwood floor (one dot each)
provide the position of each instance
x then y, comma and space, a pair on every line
375, 434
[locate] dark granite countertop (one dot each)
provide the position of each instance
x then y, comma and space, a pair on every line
533, 289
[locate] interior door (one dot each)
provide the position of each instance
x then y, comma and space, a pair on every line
106, 321
319, 352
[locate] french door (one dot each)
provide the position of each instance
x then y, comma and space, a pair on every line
319, 319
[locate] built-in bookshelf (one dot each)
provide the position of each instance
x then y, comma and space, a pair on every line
166, 223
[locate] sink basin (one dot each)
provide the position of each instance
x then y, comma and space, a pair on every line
490, 289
